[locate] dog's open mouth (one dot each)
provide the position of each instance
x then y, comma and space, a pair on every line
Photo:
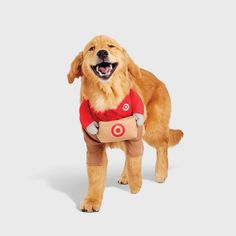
104, 70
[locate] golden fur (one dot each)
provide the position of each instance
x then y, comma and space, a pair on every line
107, 95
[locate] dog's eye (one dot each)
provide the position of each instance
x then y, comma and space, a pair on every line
92, 48
111, 46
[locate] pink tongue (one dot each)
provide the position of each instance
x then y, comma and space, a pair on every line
104, 70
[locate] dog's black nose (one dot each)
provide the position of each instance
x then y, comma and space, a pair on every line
102, 54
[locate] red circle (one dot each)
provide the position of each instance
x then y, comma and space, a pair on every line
117, 130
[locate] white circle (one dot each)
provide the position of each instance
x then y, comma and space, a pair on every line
126, 107
117, 130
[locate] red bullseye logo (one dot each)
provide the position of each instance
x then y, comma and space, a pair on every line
117, 130
126, 107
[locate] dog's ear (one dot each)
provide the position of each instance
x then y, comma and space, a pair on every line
133, 69
75, 69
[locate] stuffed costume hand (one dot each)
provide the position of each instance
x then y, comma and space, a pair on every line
139, 119
93, 128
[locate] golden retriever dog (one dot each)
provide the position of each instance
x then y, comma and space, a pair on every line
107, 93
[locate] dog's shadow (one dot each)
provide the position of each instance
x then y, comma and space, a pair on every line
73, 183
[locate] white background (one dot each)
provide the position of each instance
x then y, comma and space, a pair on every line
190, 45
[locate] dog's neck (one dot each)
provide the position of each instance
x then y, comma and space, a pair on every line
108, 95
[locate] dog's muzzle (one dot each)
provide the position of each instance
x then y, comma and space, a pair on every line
104, 70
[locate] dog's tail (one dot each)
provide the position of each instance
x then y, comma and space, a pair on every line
175, 136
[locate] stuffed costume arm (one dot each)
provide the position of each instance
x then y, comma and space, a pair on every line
138, 108
139, 119
93, 128
86, 119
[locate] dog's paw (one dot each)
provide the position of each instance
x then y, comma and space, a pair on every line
123, 179
90, 205
161, 176
135, 185
135, 189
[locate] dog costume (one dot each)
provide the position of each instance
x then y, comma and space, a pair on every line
130, 105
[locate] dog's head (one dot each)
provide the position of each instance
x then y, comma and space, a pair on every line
101, 60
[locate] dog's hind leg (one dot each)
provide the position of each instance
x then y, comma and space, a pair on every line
161, 169
159, 140
157, 135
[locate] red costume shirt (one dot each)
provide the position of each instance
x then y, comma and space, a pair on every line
131, 104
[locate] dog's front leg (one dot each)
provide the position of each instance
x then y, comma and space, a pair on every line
134, 171
96, 169
96, 186
134, 152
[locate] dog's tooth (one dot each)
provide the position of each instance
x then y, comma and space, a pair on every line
97, 68
100, 73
